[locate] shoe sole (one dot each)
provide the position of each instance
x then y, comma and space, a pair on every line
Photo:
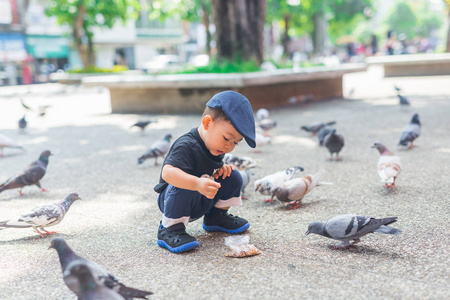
179, 249
218, 228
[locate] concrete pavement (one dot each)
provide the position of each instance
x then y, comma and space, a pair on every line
116, 222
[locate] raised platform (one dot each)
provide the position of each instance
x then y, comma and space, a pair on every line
413, 64
188, 93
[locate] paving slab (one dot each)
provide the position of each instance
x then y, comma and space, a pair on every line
116, 222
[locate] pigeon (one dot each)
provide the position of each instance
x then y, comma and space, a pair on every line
266, 125
31, 175
262, 114
22, 124
6, 142
323, 133
143, 124
316, 126
68, 259
294, 190
42, 110
158, 148
24, 105
264, 185
398, 89
43, 216
241, 163
403, 100
89, 288
334, 142
389, 165
411, 132
261, 140
352, 227
246, 175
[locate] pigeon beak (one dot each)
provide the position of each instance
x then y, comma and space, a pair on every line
307, 232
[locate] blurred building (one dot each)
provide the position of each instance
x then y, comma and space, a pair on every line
33, 45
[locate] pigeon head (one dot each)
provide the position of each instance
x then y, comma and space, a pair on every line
333, 131
45, 155
294, 170
258, 184
415, 119
316, 227
168, 137
59, 244
380, 147
72, 197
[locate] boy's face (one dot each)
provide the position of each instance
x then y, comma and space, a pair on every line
220, 136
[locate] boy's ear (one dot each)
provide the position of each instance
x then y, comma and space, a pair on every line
206, 121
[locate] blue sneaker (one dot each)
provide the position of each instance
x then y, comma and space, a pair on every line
175, 238
221, 220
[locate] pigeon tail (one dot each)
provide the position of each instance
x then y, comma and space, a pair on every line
388, 230
130, 293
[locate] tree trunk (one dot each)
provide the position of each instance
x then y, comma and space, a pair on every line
77, 32
240, 29
286, 38
206, 23
448, 29
319, 32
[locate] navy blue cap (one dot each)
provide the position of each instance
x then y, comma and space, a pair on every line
238, 110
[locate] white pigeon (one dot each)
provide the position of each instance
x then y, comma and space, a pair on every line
349, 227
241, 163
261, 140
264, 185
389, 165
262, 114
294, 190
7, 142
42, 216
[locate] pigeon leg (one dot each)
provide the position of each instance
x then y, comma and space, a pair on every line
21, 193
244, 198
48, 232
356, 241
410, 145
44, 190
40, 233
294, 205
337, 157
269, 200
343, 245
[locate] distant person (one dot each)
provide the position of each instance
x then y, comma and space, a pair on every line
195, 182
390, 42
374, 44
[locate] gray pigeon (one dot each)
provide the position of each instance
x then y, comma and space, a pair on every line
403, 100
294, 190
31, 175
323, 133
334, 142
411, 132
143, 124
22, 124
349, 227
6, 142
267, 183
241, 163
246, 175
68, 258
158, 148
266, 125
42, 216
89, 288
315, 127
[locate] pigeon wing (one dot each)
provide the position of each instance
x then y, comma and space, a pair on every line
389, 166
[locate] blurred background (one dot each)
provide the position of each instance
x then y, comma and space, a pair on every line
41, 37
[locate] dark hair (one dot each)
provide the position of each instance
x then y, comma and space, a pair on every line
216, 114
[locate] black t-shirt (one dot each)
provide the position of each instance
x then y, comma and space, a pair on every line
190, 154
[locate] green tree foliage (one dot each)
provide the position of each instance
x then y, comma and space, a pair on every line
83, 15
186, 10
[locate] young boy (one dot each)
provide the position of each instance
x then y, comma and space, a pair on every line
195, 182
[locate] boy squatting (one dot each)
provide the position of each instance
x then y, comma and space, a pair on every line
184, 192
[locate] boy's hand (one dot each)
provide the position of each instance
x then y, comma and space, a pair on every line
208, 187
225, 171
